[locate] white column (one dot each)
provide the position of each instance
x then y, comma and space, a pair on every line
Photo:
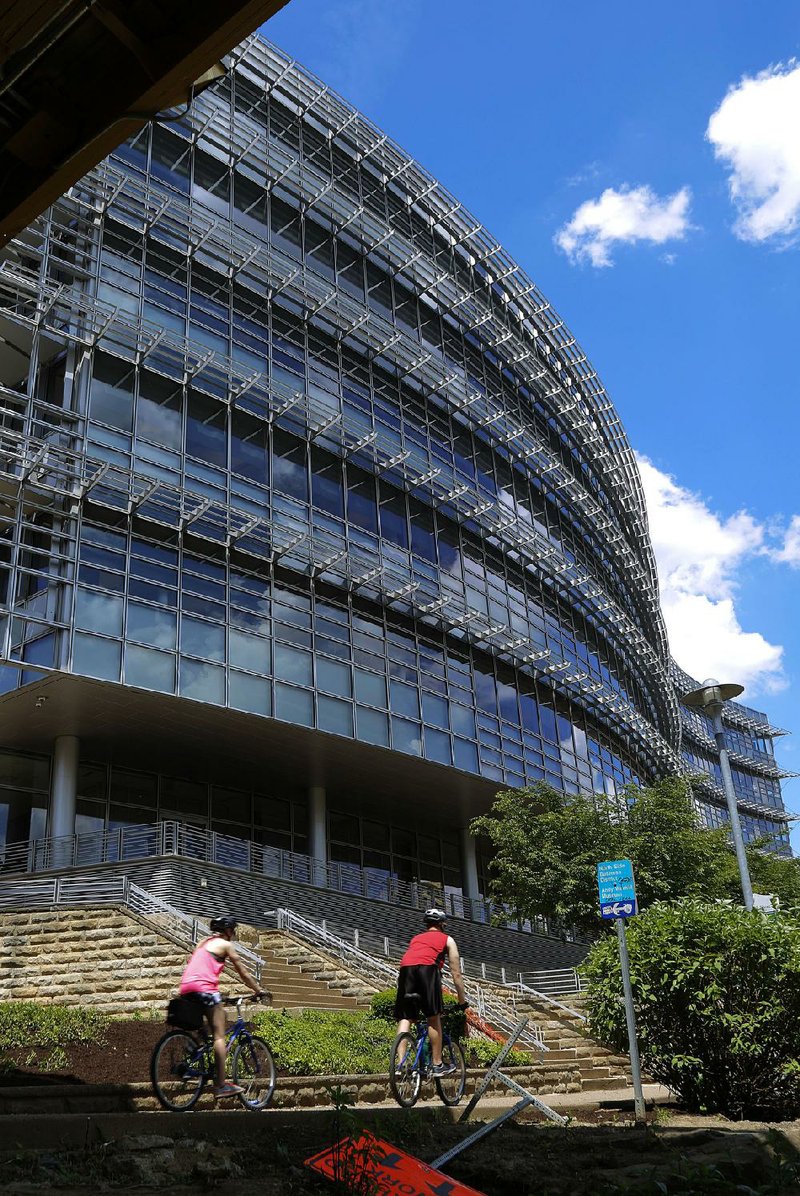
469, 865
63, 794
318, 831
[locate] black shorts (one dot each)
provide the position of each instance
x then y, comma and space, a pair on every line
425, 979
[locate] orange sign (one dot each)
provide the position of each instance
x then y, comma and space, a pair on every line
392, 1172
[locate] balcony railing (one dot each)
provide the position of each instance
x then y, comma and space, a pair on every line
149, 840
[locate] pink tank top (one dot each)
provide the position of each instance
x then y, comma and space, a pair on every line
202, 972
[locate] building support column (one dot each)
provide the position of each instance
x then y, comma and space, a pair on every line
63, 797
469, 870
318, 833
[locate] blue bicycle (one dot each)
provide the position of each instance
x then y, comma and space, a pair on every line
183, 1063
411, 1062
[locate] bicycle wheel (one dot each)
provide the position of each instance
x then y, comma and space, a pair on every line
254, 1069
177, 1070
404, 1077
451, 1087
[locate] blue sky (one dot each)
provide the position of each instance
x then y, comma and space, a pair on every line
643, 166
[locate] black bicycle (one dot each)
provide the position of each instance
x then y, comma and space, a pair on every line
183, 1063
411, 1062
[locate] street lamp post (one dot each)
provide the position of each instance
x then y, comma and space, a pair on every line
710, 698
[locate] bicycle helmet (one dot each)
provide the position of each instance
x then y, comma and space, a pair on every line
220, 925
432, 916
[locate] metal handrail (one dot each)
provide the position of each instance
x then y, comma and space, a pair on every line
488, 1006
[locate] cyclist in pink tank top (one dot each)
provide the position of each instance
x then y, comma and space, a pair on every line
421, 975
200, 982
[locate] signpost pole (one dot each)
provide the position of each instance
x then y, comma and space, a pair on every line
630, 1018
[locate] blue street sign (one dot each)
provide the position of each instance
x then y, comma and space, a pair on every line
616, 888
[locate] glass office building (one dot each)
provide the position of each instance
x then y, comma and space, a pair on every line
316, 525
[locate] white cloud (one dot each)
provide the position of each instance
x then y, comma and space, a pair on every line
698, 554
622, 218
756, 133
789, 552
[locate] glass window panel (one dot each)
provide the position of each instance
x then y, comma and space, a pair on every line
434, 710
251, 694
373, 726
547, 719
134, 788
234, 805
111, 400
334, 678
485, 692
205, 682
206, 435
375, 835
248, 651
406, 736
93, 657
437, 746
394, 525
404, 699
423, 539
334, 716
291, 664
462, 720
404, 842
272, 812
152, 626
507, 697
361, 506
370, 688
465, 755
159, 410
98, 612
249, 446
344, 828
326, 483
289, 468
294, 705
184, 797
202, 639
530, 712
150, 669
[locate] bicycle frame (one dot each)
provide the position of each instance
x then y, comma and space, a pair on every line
204, 1053
423, 1039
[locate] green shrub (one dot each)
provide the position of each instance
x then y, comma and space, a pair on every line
454, 1020
326, 1042
480, 1052
35, 1035
717, 998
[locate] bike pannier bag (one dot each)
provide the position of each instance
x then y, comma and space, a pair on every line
186, 1015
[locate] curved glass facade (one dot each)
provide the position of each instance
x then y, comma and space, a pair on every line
296, 442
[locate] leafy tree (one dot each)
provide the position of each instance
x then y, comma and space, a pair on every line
717, 996
547, 845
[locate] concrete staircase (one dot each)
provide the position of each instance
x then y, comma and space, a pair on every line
126, 964
568, 1043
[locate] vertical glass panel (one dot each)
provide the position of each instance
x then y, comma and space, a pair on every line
394, 526
465, 755
93, 657
251, 694
530, 712
423, 539
335, 716
485, 692
437, 746
294, 705
547, 719
462, 720
206, 424
373, 726
249, 446
199, 638
152, 626
326, 483
334, 678
434, 710
289, 468
406, 736
98, 612
159, 410
403, 699
248, 651
291, 664
204, 682
150, 669
507, 698
184, 797
111, 400
370, 688
362, 509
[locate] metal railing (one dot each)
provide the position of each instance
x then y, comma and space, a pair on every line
149, 840
46, 892
488, 1006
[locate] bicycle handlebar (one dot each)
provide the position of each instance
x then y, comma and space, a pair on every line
263, 998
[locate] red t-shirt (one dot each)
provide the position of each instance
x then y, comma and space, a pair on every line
430, 947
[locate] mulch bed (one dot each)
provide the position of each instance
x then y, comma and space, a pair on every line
124, 1058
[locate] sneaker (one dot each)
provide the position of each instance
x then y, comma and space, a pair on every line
443, 1069
228, 1090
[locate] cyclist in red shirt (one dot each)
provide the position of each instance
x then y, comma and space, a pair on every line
421, 974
